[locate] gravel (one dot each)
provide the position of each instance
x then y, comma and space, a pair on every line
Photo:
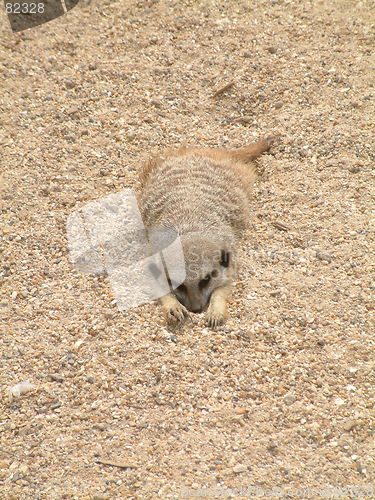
283, 394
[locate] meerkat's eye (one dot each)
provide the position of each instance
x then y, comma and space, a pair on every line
182, 288
204, 282
224, 258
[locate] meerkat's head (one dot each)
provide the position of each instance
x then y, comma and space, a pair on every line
209, 264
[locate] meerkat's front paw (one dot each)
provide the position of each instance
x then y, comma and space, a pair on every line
216, 314
175, 312
217, 311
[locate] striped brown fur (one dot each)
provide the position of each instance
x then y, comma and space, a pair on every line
206, 195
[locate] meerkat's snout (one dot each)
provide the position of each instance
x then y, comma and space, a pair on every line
195, 295
209, 265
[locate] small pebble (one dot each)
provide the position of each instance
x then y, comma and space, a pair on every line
272, 49
325, 256
179, 129
15, 476
100, 427
43, 410
19, 389
237, 418
354, 169
156, 102
279, 104
317, 203
339, 401
108, 313
72, 110
69, 84
349, 425
289, 399
24, 469
272, 446
245, 119
237, 469
24, 430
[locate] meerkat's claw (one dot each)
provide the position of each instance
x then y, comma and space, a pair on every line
174, 311
216, 316
177, 314
217, 312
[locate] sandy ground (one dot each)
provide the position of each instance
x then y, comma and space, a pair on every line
282, 396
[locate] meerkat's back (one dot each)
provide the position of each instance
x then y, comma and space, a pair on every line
205, 195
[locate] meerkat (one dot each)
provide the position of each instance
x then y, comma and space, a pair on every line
204, 194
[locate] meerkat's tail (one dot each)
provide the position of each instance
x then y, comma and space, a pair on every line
253, 151
245, 155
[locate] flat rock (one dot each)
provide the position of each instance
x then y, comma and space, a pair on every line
237, 469
349, 425
289, 399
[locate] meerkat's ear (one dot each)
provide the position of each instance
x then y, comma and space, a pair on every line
225, 258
